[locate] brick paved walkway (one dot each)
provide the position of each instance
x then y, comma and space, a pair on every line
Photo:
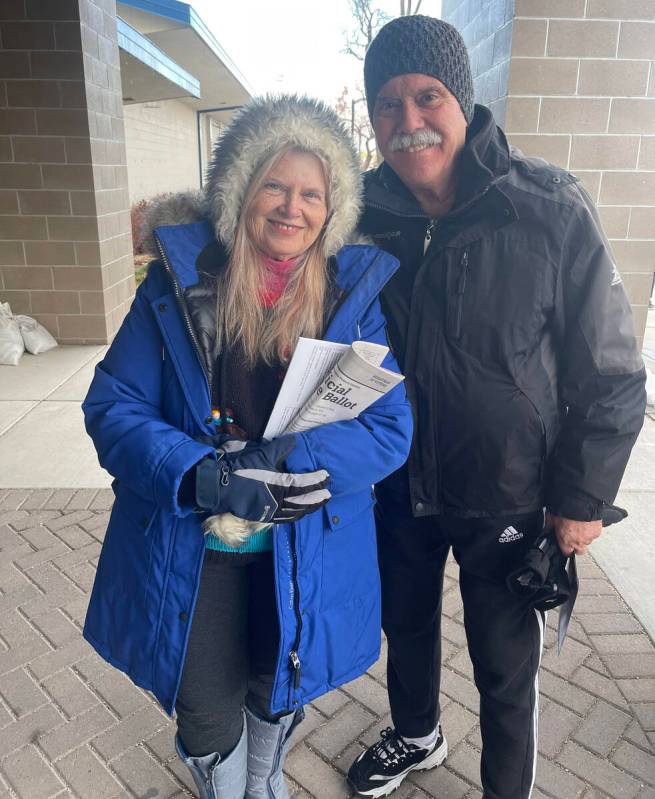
70, 726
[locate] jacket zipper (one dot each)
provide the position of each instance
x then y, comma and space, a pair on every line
455, 319
544, 449
185, 313
428, 234
544, 445
294, 660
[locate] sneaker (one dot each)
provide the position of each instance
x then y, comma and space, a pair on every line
382, 767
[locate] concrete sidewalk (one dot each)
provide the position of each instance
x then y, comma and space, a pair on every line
626, 552
71, 726
42, 438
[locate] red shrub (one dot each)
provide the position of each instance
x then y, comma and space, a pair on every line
137, 212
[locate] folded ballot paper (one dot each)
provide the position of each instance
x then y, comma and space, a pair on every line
328, 382
325, 382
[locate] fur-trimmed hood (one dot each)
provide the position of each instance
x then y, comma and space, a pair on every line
261, 128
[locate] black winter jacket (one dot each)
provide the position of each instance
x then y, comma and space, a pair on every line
515, 336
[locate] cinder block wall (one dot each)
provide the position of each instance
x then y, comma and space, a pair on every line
65, 241
152, 130
581, 93
486, 26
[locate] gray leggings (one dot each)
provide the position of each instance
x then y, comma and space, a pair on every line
232, 652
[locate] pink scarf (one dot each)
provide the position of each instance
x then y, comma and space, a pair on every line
276, 277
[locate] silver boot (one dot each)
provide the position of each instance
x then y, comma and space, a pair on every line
218, 777
268, 744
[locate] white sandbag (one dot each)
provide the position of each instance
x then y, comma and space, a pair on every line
36, 338
11, 340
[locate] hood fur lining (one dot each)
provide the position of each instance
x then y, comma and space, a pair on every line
263, 127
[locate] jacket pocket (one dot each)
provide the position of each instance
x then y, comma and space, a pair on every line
343, 510
140, 512
350, 570
137, 518
456, 293
120, 612
544, 439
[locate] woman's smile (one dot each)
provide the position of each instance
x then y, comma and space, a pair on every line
284, 227
288, 212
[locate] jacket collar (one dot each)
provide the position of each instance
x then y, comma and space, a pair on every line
193, 257
191, 250
181, 246
484, 162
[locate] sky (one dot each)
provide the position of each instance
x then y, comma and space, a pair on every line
292, 45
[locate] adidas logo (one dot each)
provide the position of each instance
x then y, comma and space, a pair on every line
508, 535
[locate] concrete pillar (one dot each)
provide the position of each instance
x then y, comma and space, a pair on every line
65, 241
580, 92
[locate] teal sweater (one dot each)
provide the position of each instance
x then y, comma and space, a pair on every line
258, 542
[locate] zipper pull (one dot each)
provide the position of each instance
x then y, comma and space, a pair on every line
428, 235
225, 474
463, 272
295, 665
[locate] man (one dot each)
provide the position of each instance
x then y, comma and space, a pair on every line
512, 327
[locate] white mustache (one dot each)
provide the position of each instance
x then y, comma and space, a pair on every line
421, 138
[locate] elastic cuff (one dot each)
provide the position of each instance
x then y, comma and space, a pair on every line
172, 470
186, 496
206, 485
578, 506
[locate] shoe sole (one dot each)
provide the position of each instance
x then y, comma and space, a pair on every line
434, 760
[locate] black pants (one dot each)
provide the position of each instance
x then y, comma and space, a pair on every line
232, 652
504, 632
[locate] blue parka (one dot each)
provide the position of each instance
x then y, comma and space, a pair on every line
147, 406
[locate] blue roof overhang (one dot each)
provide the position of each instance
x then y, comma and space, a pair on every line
147, 72
177, 30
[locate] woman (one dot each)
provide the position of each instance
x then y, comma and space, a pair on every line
237, 638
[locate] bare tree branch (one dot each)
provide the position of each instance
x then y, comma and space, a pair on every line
351, 108
368, 20
406, 10
371, 153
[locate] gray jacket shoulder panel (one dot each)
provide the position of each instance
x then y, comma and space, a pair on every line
541, 178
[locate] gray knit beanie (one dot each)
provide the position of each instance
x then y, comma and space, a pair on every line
421, 44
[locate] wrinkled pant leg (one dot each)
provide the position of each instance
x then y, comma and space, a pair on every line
505, 637
505, 640
412, 555
215, 673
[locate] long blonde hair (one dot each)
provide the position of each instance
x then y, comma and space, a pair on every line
270, 333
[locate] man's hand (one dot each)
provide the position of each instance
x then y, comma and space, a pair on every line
573, 536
